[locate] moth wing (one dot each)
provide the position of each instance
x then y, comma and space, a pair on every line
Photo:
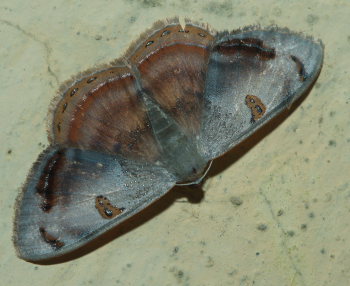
71, 196
171, 63
252, 76
87, 112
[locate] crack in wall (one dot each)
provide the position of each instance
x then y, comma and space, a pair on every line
47, 48
283, 241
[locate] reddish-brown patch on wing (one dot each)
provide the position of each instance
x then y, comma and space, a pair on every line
172, 63
103, 112
256, 106
106, 209
53, 241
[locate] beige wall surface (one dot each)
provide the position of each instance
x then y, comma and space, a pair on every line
274, 212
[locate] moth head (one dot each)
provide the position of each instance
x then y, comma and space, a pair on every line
197, 175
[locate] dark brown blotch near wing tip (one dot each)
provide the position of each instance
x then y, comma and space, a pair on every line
250, 46
50, 239
256, 106
106, 209
45, 186
300, 68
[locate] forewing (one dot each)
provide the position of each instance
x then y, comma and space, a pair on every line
71, 196
252, 76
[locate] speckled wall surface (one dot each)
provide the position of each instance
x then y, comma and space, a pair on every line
274, 212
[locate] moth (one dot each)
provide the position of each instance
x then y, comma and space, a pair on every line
124, 134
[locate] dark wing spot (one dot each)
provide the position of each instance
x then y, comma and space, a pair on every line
258, 109
166, 32
149, 43
74, 91
46, 184
64, 107
300, 68
91, 79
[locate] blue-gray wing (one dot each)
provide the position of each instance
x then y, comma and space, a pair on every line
252, 76
71, 196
